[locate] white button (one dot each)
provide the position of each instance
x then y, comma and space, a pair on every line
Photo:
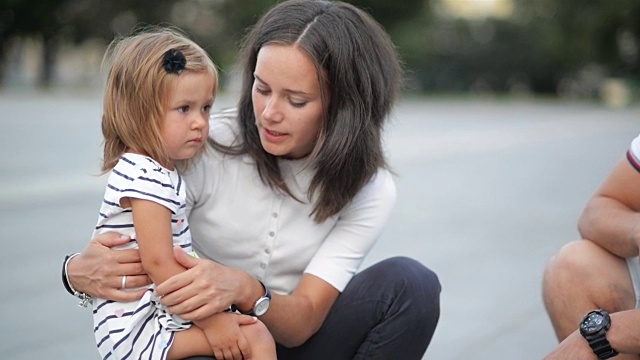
275, 215
268, 251
272, 234
263, 265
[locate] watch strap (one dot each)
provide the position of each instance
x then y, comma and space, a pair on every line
602, 348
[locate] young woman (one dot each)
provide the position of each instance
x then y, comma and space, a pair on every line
292, 197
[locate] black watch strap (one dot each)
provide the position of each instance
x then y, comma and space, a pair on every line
602, 348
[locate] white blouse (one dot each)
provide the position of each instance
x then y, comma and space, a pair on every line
633, 154
239, 221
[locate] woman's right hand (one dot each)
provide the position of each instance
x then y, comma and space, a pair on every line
98, 270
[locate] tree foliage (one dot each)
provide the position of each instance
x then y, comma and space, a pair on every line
542, 43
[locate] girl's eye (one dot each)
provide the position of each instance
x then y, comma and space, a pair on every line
206, 108
183, 109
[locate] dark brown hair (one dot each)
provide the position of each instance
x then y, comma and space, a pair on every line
356, 60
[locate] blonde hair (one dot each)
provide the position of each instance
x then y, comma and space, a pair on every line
137, 89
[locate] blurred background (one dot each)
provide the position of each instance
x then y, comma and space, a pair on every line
513, 113
569, 48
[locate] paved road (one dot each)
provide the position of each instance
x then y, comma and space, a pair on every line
488, 190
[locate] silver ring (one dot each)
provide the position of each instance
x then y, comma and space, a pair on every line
124, 282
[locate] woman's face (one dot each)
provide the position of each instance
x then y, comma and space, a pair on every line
287, 101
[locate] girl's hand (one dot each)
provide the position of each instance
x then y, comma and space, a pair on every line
98, 270
205, 289
225, 337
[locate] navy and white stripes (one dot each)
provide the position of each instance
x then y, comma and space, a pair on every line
142, 329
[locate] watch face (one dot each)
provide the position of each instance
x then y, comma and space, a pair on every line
261, 307
592, 323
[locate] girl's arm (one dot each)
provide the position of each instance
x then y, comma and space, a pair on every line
152, 223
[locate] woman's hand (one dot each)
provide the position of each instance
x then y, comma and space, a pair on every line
206, 288
98, 270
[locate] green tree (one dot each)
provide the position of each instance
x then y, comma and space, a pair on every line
576, 33
32, 18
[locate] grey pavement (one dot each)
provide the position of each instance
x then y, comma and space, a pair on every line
488, 190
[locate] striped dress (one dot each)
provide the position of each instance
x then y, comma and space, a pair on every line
142, 329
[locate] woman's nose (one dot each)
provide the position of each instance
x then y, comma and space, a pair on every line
272, 111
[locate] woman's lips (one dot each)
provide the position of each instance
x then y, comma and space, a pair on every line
272, 135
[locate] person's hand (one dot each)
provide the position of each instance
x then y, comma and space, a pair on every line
574, 347
98, 270
225, 337
206, 288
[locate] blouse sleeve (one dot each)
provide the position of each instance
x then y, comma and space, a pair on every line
358, 227
633, 155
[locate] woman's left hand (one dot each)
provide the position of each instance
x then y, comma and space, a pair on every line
206, 288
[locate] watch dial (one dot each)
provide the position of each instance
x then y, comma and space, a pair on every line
593, 323
262, 306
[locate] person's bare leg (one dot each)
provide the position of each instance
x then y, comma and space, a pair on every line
263, 347
193, 344
190, 342
584, 277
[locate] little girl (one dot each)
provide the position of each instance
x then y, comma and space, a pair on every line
159, 92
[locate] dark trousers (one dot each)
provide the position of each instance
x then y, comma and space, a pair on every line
388, 311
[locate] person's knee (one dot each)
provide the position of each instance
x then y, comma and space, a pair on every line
583, 269
415, 274
420, 294
257, 333
570, 263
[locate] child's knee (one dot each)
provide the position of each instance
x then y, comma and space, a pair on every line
258, 333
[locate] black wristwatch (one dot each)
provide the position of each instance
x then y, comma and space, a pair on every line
593, 328
261, 305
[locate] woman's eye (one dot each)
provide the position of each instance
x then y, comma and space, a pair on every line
261, 91
297, 104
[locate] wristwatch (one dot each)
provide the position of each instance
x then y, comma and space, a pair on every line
262, 304
593, 328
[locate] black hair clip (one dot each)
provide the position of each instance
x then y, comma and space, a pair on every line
174, 61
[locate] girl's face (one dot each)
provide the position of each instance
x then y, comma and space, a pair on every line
287, 101
185, 127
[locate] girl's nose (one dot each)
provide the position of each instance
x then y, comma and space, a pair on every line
200, 120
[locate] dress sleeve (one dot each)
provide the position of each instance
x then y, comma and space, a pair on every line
358, 227
153, 184
633, 155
